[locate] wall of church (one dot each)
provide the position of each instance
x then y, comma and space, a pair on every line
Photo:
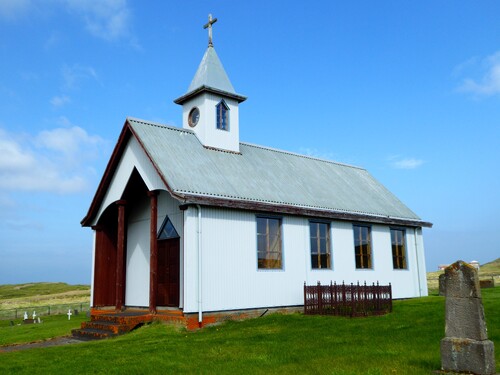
231, 279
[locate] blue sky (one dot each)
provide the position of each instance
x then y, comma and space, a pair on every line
408, 90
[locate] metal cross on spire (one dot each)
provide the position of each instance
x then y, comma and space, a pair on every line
209, 27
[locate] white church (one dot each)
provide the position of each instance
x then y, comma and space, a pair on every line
193, 219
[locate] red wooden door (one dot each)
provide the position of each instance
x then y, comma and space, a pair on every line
168, 273
105, 269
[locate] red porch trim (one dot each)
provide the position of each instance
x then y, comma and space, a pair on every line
120, 256
153, 247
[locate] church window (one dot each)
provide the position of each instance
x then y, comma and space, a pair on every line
167, 230
398, 242
362, 246
222, 113
320, 245
269, 254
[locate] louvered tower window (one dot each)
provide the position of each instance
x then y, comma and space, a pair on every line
222, 113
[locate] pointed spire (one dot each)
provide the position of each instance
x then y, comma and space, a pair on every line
210, 75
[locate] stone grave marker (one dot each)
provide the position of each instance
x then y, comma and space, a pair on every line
466, 347
441, 284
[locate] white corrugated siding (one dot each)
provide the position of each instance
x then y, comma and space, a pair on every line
206, 129
137, 265
231, 279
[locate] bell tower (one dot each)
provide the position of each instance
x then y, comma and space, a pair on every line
210, 106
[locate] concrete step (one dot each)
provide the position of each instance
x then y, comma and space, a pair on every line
107, 326
91, 334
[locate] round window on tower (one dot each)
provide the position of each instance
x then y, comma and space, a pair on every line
194, 116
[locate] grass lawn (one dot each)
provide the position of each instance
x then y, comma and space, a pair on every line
404, 342
52, 326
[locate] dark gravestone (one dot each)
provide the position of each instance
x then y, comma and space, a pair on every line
466, 347
441, 285
29, 321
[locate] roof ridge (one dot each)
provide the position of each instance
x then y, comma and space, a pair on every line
301, 155
159, 125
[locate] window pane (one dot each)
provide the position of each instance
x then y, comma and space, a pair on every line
261, 242
274, 226
314, 261
167, 230
274, 244
314, 246
357, 232
325, 261
261, 225
362, 246
269, 242
357, 250
322, 245
398, 248
313, 227
322, 230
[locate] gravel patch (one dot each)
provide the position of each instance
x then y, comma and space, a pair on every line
58, 341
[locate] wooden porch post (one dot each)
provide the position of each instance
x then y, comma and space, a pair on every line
120, 256
153, 247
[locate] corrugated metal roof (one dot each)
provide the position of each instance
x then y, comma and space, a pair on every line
260, 174
211, 73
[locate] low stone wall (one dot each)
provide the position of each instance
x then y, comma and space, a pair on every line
487, 283
211, 318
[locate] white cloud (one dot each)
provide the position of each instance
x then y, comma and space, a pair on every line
106, 19
12, 9
489, 82
315, 153
405, 163
59, 101
6, 202
53, 161
68, 140
74, 75
53, 40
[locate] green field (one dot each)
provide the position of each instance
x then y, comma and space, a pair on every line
403, 342
38, 294
52, 326
486, 271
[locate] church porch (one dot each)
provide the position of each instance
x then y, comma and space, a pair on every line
107, 322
